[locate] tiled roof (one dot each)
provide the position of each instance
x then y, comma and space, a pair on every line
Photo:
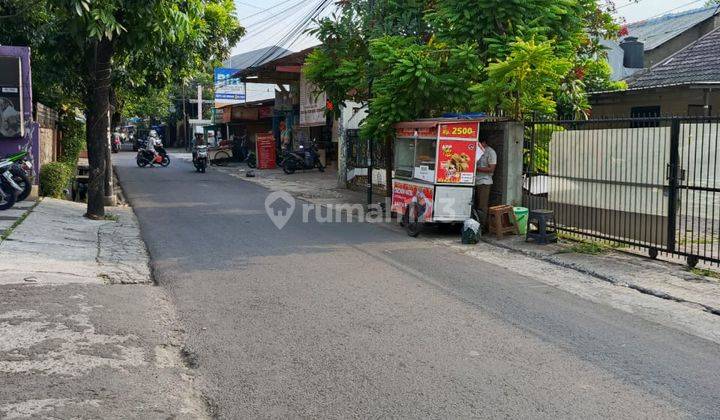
698, 63
655, 32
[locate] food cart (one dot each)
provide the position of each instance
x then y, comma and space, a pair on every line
434, 175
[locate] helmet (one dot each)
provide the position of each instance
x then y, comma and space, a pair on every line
153, 133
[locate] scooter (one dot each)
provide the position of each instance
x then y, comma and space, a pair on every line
115, 145
305, 158
200, 158
145, 157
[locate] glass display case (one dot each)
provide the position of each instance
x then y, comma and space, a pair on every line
404, 157
425, 158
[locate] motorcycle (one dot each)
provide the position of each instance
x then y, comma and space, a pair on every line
247, 155
305, 158
200, 158
22, 171
115, 145
9, 189
146, 157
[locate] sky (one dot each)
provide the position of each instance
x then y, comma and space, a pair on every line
264, 29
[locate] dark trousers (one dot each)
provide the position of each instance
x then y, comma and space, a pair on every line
482, 201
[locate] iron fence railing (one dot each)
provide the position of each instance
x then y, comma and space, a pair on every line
357, 151
646, 182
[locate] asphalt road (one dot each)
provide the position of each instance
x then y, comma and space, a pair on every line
356, 320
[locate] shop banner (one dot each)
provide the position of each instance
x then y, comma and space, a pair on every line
456, 161
312, 104
461, 131
405, 193
265, 150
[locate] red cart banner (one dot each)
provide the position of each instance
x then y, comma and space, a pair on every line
467, 131
422, 133
265, 150
456, 162
405, 193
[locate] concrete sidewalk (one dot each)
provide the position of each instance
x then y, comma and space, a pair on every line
85, 333
9, 217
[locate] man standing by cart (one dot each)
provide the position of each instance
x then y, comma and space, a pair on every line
484, 170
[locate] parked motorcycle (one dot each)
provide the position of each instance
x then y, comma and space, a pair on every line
200, 158
22, 171
9, 189
146, 157
305, 158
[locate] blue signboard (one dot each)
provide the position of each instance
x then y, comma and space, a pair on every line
227, 88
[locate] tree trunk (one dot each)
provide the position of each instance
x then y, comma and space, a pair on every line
98, 101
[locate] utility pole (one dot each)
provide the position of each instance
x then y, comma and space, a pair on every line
371, 7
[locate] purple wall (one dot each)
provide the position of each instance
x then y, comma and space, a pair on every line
13, 145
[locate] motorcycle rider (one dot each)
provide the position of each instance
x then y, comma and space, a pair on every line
153, 143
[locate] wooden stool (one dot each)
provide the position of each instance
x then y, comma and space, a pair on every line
501, 220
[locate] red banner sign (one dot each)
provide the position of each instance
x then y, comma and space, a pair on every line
456, 161
265, 150
468, 131
423, 133
405, 193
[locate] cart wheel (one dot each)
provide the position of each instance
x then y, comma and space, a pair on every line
414, 225
653, 253
692, 261
222, 158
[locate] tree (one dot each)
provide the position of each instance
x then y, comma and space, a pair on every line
424, 55
525, 81
122, 46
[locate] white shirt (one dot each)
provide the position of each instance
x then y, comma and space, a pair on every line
489, 157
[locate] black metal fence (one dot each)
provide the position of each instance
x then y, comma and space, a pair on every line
357, 151
645, 182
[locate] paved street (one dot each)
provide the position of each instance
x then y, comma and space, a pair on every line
358, 320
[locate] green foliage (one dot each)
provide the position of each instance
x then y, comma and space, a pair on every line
417, 81
597, 77
73, 140
160, 43
524, 82
494, 25
541, 154
409, 49
155, 104
54, 179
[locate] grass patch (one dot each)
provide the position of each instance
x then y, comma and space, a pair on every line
705, 273
587, 246
686, 239
112, 217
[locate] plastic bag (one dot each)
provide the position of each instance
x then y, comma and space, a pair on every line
470, 232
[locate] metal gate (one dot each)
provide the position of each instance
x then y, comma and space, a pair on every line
645, 182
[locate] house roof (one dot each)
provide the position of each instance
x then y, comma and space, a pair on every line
245, 60
654, 33
698, 63
657, 31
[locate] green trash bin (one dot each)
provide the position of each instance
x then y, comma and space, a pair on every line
521, 215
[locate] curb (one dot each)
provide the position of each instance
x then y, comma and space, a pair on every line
604, 277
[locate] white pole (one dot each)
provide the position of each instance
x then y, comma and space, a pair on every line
200, 104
